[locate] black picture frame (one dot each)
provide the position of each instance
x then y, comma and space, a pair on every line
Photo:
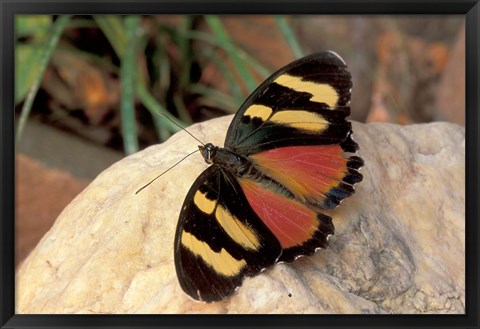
10, 8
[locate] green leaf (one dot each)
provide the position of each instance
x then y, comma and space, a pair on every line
27, 54
26, 69
155, 108
112, 27
127, 77
218, 30
215, 98
44, 59
185, 49
237, 96
36, 26
202, 36
289, 36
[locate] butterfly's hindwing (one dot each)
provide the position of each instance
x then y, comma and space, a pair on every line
219, 239
305, 103
299, 229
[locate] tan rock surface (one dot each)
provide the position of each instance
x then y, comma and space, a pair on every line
398, 247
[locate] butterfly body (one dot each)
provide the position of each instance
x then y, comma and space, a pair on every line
263, 197
224, 158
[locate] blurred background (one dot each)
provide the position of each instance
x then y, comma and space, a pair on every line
89, 89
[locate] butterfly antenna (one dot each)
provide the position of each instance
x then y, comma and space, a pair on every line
179, 126
163, 173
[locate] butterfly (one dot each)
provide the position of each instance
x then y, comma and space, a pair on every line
262, 199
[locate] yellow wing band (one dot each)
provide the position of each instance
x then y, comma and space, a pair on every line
222, 262
304, 120
204, 204
322, 93
237, 230
258, 111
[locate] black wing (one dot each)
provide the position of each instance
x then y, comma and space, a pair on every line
219, 239
304, 103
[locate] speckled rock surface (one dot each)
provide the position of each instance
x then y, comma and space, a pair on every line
398, 247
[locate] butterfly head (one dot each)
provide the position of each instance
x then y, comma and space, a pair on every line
208, 152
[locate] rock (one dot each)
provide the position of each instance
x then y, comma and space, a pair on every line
36, 210
398, 248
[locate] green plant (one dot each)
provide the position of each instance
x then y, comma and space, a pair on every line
157, 66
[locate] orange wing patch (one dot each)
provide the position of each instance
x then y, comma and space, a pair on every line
290, 221
309, 172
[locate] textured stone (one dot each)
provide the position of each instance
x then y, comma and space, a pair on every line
398, 247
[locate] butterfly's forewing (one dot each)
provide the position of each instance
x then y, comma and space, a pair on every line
304, 103
318, 175
219, 239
